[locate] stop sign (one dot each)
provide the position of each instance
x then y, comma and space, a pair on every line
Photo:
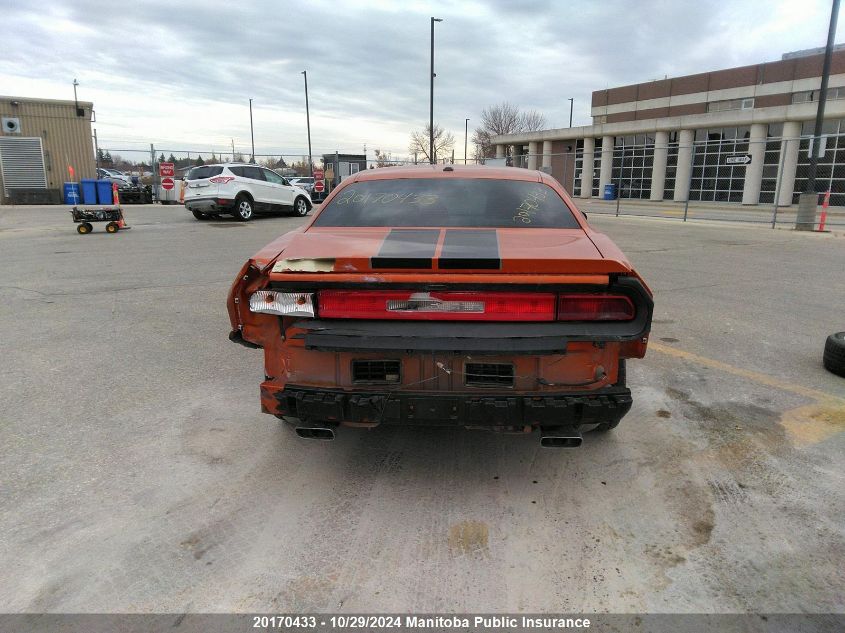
167, 184
318, 186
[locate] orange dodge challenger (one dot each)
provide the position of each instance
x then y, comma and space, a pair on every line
444, 295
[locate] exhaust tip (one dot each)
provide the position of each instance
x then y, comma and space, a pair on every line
560, 438
315, 432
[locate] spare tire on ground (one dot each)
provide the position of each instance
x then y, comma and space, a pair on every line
834, 353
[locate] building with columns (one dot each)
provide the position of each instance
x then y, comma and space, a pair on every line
738, 135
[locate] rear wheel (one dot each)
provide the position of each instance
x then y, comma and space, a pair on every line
243, 209
112, 227
300, 207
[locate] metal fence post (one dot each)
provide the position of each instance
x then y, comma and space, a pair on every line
689, 184
784, 146
154, 169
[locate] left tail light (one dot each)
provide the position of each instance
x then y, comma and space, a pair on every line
300, 304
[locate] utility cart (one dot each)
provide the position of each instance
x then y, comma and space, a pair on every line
84, 218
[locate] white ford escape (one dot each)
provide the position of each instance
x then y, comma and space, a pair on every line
241, 190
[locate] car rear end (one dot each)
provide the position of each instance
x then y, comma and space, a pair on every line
210, 189
499, 325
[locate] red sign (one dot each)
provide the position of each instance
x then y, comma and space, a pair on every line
318, 174
167, 183
167, 169
318, 186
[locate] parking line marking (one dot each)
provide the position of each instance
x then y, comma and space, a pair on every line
763, 379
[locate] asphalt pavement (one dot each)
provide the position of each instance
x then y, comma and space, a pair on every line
138, 474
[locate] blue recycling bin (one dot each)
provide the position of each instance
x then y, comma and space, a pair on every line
71, 191
89, 191
610, 191
104, 192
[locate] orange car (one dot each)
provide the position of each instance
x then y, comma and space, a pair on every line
471, 296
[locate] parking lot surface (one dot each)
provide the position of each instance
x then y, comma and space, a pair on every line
139, 475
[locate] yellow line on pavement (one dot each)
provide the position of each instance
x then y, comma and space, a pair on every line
763, 379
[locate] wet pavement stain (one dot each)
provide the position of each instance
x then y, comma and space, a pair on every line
813, 423
469, 537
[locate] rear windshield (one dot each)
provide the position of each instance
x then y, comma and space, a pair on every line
473, 202
206, 171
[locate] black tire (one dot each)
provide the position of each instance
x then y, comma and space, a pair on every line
112, 227
834, 354
621, 381
244, 208
300, 207
200, 216
84, 228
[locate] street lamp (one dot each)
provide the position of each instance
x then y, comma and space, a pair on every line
431, 98
571, 103
251, 134
466, 132
308, 123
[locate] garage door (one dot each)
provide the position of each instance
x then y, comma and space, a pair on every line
22, 163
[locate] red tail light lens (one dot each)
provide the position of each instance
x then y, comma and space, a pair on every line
436, 306
595, 308
221, 180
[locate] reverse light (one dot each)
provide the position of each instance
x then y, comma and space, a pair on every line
299, 304
221, 180
595, 308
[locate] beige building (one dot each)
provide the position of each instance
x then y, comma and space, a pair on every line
736, 135
39, 140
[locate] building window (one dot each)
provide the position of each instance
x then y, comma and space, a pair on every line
713, 179
808, 96
633, 158
731, 104
598, 120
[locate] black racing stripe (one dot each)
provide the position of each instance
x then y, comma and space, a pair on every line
463, 249
407, 248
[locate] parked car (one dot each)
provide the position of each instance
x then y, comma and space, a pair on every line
241, 190
114, 176
306, 182
473, 296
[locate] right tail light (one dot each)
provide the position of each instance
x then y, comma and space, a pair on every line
571, 307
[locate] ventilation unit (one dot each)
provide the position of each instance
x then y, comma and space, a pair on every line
11, 125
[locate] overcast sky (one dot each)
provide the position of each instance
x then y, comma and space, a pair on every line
179, 74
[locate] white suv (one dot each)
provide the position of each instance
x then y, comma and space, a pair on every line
241, 190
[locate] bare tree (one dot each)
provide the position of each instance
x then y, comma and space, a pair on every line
443, 142
503, 118
385, 159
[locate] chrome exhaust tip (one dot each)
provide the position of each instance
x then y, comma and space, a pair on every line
560, 437
315, 432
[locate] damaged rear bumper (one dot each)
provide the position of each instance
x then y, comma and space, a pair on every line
368, 408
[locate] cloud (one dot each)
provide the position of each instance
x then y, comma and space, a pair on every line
181, 74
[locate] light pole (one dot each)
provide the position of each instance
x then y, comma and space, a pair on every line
251, 134
308, 123
809, 200
466, 132
431, 98
571, 104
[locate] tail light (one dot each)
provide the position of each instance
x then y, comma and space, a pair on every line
594, 308
221, 180
299, 304
437, 306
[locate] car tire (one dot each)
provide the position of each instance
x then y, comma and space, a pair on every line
621, 380
834, 354
200, 216
300, 207
244, 209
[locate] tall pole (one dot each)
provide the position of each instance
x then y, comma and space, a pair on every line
97, 150
308, 123
466, 132
431, 98
817, 132
571, 104
252, 136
